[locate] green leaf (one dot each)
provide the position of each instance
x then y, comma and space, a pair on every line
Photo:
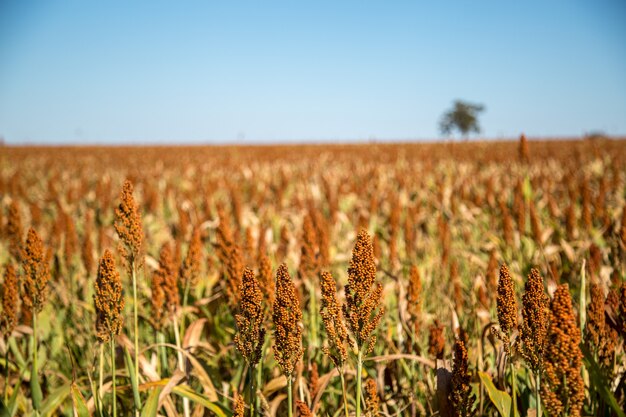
4, 410
500, 399
54, 400
9, 409
599, 383
78, 402
527, 189
151, 406
130, 366
202, 400
35, 389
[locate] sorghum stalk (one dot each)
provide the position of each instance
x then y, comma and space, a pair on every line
129, 229
344, 393
36, 280
181, 362
507, 319
363, 310
359, 372
190, 269
135, 322
335, 328
109, 304
290, 396
5, 394
252, 390
100, 375
534, 328
34, 377
538, 394
563, 389
250, 337
113, 375
165, 283
162, 354
288, 334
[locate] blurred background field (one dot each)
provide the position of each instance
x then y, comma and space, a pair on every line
454, 211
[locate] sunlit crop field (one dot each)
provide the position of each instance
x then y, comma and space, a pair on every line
448, 279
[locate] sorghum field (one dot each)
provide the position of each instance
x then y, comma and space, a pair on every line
334, 280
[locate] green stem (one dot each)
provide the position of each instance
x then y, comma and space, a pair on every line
6, 373
182, 317
35, 388
100, 377
344, 393
72, 292
289, 396
181, 363
252, 390
259, 378
162, 353
359, 371
34, 343
113, 375
136, 325
513, 389
538, 393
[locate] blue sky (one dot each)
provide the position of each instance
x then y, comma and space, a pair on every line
263, 71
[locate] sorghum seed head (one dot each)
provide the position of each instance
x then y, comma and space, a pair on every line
165, 296
363, 310
266, 279
250, 335
436, 341
600, 337
622, 309
231, 258
287, 317
14, 231
461, 396
190, 269
108, 299
371, 398
87, 250
128, 225
534, 328
239, 406
308, 255
314, 380
562, 388
336, 331
523, 152
414, 297
70, 244
303, 409
506, 307
8, 319
36, 273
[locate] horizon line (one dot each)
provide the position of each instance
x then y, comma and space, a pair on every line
299, 142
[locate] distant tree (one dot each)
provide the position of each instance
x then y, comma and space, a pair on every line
462, 117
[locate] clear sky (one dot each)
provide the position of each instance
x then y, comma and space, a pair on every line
109, 71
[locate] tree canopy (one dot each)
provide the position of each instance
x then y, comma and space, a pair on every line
462, 117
